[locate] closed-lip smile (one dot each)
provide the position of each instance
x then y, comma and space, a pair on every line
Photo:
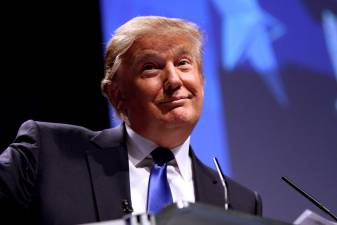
174, 99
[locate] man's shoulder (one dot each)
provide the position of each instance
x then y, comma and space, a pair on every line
69, 132
43, 126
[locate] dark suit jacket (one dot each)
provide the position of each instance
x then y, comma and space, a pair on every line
65, 174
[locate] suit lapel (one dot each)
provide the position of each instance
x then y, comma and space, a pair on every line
109, 171
207, 186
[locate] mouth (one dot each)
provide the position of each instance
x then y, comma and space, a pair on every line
177, 99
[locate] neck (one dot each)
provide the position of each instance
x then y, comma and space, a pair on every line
165, 137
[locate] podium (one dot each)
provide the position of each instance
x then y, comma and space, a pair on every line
185, 213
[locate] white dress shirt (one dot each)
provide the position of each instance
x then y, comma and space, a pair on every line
179, 172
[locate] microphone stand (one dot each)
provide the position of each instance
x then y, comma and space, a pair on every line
223, 181
310, 198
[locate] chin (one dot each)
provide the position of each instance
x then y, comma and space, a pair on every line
181, 118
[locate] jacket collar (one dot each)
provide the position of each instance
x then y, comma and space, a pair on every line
109, 172
207, 185
110, 138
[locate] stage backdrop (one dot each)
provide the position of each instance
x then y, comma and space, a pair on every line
271, 92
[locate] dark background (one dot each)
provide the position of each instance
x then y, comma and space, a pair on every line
52, 64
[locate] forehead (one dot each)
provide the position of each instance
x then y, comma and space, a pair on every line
161, 44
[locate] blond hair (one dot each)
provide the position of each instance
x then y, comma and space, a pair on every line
137, 27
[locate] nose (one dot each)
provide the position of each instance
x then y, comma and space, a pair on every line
172, 80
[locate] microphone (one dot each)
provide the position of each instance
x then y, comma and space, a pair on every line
126, 206
310, 198
223, 182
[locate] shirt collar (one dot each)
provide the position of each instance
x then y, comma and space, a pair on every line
181, 155
139, 148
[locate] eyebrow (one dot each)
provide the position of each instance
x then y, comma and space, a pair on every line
184, 51
150, 53
144, 55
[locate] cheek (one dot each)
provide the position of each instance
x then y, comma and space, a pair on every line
195, 85
145, 90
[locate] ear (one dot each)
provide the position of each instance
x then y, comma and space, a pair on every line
116, 97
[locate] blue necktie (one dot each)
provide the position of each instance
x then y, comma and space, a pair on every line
159, 193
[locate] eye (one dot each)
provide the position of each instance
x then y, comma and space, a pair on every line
149, 70
184, 62
149, 66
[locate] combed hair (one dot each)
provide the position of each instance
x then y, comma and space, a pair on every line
125, 36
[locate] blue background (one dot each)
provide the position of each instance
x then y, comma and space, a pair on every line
271, 91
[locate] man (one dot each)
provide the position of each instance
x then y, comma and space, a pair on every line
64, 174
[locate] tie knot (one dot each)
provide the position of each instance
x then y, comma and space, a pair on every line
162, 155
